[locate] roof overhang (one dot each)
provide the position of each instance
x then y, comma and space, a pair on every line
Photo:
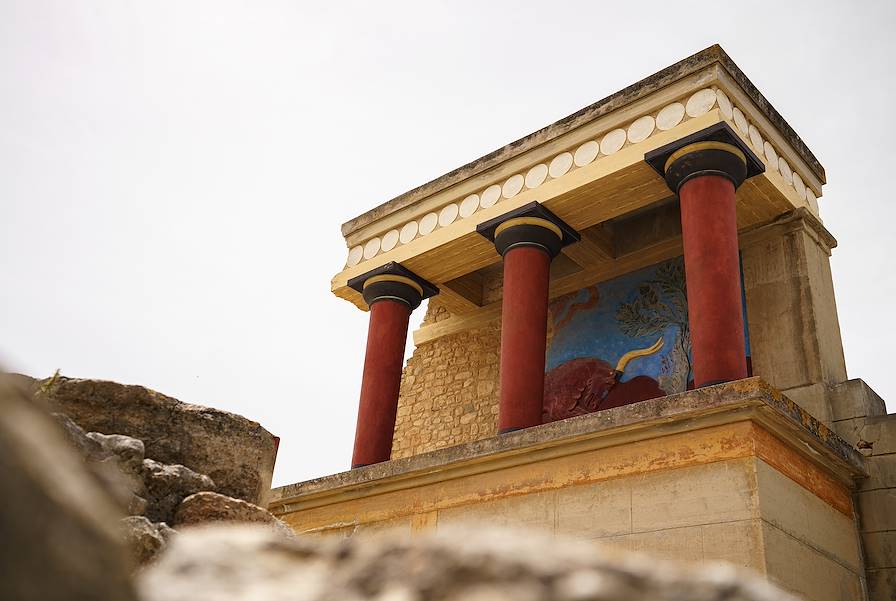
431, 230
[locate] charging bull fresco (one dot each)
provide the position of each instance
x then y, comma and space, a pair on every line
618, 342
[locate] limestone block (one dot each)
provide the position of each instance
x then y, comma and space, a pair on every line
536, 511
814, 399
238, 454
881, 472
854, 398
723, 491
882, 584
395, 525
792, 509
681, 544
739, 543
801, 569
880, 549
791, 312
877, 509
204, 507
595, 510
880, 433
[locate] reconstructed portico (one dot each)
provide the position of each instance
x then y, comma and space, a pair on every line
631, 336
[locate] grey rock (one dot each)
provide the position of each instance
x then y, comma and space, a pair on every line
204, 507
251, 563
168, 485
144, 539
57, 523
237, 453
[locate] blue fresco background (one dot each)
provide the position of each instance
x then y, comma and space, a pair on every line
577, 330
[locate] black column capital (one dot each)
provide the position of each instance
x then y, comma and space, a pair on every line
716, 150
394, 282
530, 225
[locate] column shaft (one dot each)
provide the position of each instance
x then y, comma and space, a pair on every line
712, 269
386, 337
523, 337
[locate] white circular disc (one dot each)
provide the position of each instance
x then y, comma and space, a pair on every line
390, 239
813, 202
700, 102
741, 122
560, 165
448, 214
536, 175
799, 186
371, 248
784, 168
613, 141
355, 255
724, 104
586, 153
512, 186
670, 116
469, 205
408, 232
490, 196
641, 129
428, 223
771, 156
756, 139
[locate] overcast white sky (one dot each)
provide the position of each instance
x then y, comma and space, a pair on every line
173, 175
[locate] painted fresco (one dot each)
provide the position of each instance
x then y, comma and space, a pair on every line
618, 342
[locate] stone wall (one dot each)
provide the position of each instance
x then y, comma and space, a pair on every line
449, 390
860, 418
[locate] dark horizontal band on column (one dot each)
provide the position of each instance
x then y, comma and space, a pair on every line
530, 225
716, 150
393, 281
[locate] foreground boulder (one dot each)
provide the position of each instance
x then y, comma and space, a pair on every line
207, 507
251, 563
144, 539
237, 453
58, 524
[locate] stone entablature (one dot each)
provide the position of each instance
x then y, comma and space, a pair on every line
587, 169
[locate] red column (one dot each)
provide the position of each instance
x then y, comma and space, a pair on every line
386, 337
523, 337
712, 269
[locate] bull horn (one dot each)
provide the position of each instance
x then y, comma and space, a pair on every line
620, 367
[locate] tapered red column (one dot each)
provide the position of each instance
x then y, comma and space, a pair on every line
523, 337
528, 239
386, 338
705, 169
392, 293
712, 271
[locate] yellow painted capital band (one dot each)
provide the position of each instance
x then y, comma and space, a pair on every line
394, 278
708, 145
537, 221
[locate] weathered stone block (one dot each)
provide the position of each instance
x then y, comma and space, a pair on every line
238, 454
877, 509
882, 584
854, 398
704, 494
595, 510
880, 549
792, 509
798, 567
